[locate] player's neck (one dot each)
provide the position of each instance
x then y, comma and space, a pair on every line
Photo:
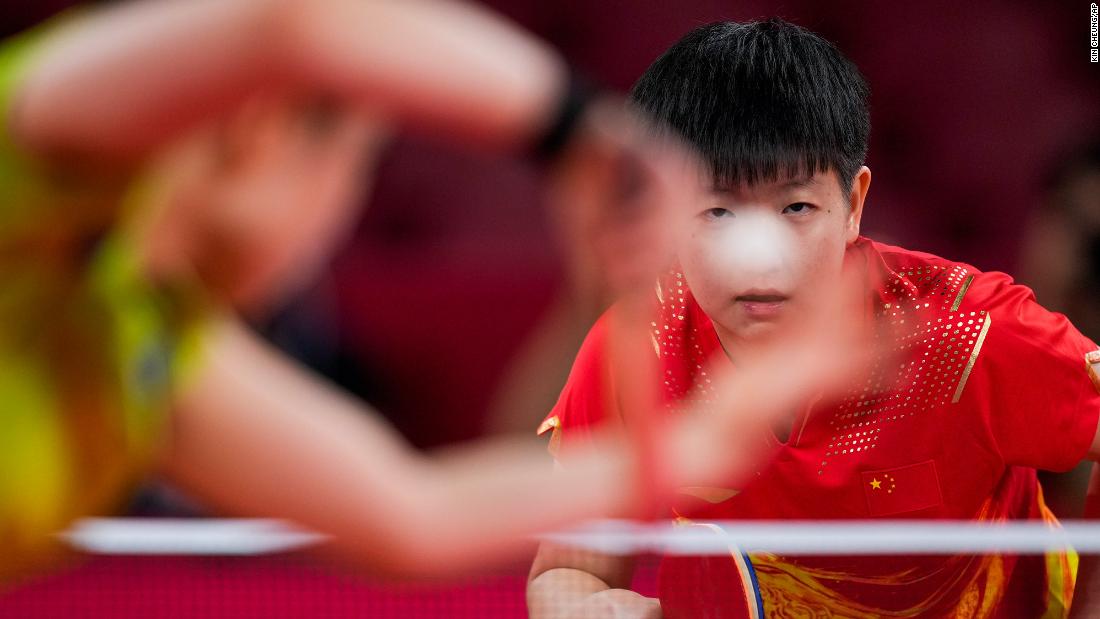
737, 349
740, 351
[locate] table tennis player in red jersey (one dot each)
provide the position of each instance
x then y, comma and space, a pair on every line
979, 388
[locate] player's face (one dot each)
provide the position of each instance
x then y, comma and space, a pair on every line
759, 256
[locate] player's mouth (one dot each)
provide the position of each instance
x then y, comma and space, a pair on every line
762, 304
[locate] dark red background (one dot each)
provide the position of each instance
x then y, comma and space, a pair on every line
453, 264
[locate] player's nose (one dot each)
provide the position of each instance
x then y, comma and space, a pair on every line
759, 247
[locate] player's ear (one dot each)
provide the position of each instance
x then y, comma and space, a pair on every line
858, 194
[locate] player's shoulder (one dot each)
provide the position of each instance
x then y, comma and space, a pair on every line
944, 284
979, 307
581, 403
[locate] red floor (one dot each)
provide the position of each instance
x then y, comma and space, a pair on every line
261, 587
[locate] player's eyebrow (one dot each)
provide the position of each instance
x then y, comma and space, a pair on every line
795, 183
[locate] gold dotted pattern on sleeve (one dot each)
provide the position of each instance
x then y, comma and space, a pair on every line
674, 337
930, 350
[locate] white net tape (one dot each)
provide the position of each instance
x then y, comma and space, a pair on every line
251, 537
167, 536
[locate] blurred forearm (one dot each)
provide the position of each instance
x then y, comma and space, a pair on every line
560, 592
574, 593
100, 85
255, 435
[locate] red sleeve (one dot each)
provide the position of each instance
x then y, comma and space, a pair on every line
1042, 405
581, 405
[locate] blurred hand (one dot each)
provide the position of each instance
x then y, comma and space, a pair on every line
621, 198
721, 439
623, 195
617, 604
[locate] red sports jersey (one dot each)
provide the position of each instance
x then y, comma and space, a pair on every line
987, 387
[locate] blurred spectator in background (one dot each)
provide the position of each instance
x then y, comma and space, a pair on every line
1061, 263
1062, 250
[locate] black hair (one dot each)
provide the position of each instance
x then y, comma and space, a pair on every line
761, 100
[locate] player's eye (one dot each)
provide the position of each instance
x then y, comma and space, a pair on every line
799, 209
717, 213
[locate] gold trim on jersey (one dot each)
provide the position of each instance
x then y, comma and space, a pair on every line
962, 293
973, 358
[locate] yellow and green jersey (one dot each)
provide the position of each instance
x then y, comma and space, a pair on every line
89, 347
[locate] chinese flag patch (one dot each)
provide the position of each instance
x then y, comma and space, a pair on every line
903, 489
